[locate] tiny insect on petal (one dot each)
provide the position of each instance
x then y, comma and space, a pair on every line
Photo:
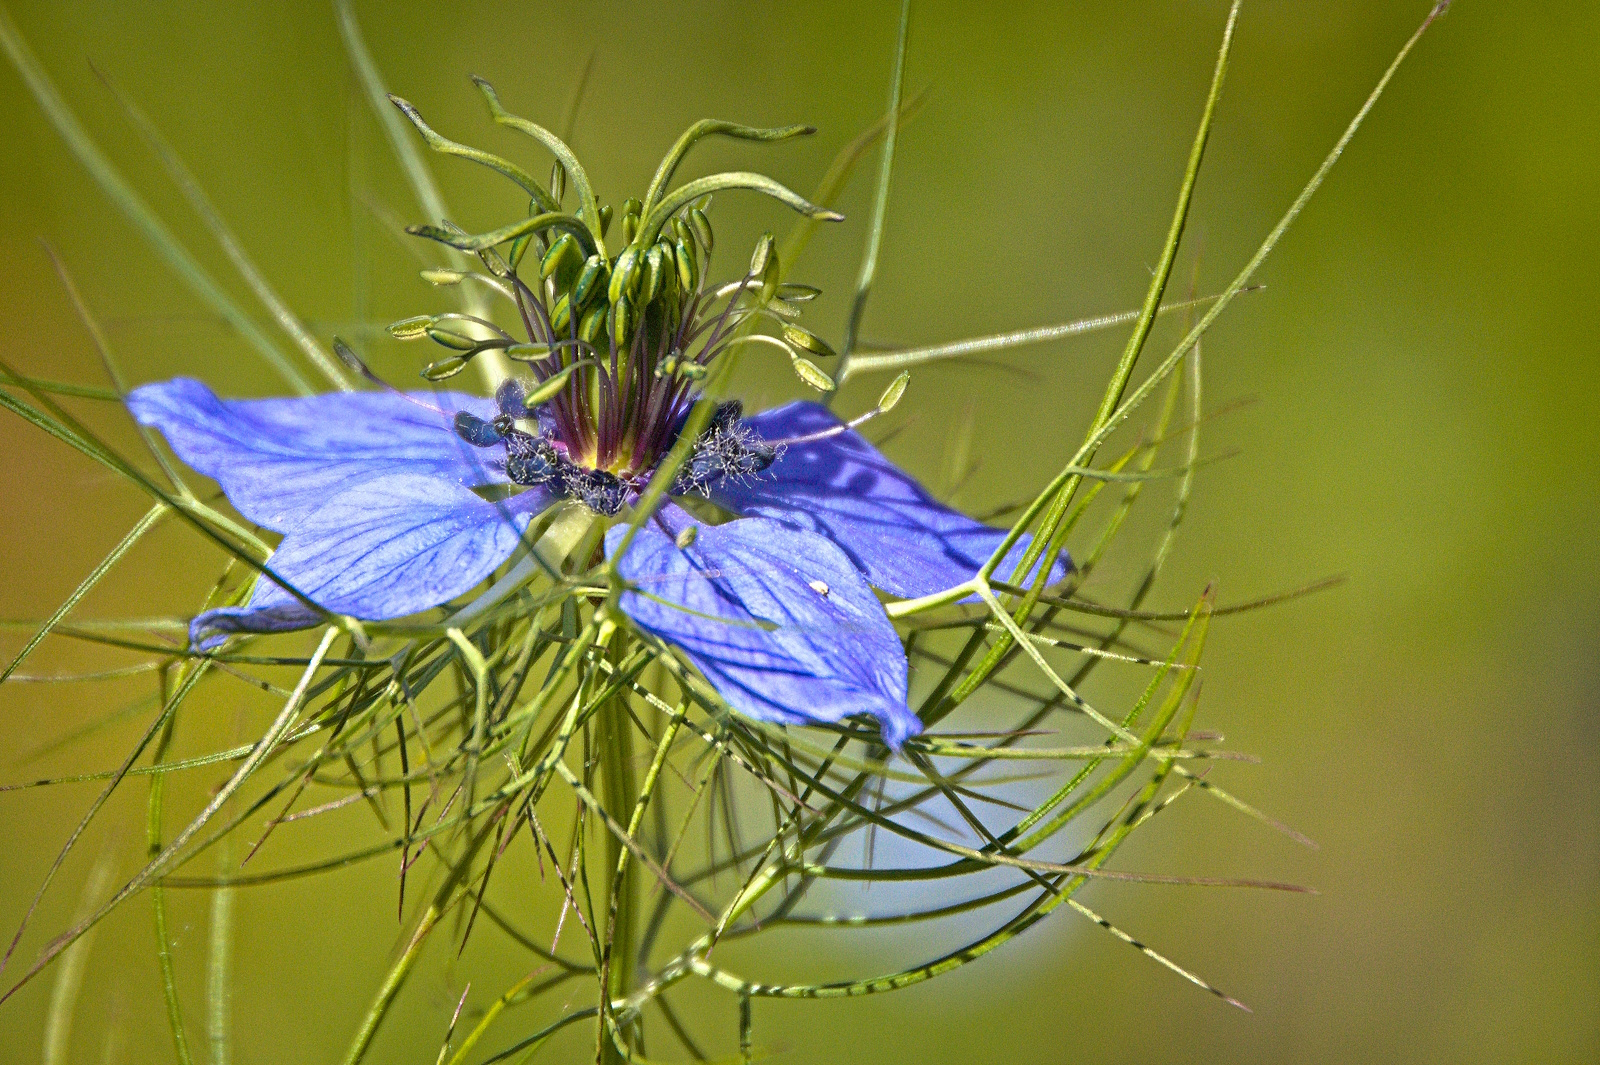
838, 485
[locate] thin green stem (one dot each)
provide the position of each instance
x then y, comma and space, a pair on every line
392, 982
620, 791
492, 364
134, 535
1044, 543
880, 200
158, 899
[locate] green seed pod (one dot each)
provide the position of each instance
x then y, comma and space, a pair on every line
548, 388
563, 250
688, 271
625, 275
447, 367
558, 182
589, 278
451, 339
631, 210
622, 321
411, 328
594, 324
764, 266
684, 234
654, 267
796, 293
892, 394
762, 254
529, 352
519, 248
669, 266
702, 227
493, 262
443, 277
561, 314
812, 376
605, 220
807, 341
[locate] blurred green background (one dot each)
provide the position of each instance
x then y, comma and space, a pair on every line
1428, 390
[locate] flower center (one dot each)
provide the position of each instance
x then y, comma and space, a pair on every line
617, 350
618, 347
727, 448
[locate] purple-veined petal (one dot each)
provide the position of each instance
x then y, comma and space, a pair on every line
776, 618
902, 539
280, 459
384, 549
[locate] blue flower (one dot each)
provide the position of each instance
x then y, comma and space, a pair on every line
373, 493
384, 499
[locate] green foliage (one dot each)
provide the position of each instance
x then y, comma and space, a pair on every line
533, 716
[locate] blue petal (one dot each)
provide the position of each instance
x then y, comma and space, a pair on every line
280, 459
391, 547
778, 620
905, 541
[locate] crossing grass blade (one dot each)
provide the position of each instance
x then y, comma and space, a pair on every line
880, 198
131, 204
202, 206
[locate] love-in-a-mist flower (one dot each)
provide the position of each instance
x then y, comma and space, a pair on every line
393, 503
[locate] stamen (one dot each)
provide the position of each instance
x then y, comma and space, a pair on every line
824, 434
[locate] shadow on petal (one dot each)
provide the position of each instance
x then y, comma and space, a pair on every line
902, 539
385, 549
279, 460
778, 619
